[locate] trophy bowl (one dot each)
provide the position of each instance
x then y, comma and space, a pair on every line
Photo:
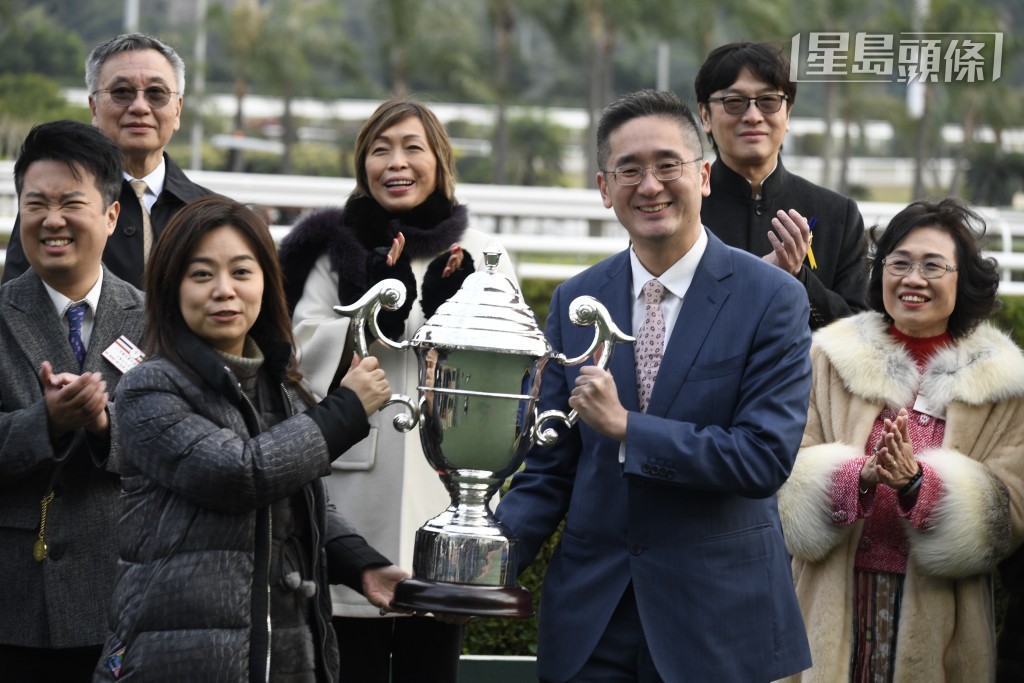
481, 358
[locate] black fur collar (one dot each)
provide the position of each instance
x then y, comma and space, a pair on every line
349, 234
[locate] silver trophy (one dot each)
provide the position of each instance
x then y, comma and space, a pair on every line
481, 360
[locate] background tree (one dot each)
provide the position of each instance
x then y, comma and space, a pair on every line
302, 43
242, 30
30, 42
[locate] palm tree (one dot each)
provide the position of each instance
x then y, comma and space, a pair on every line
244, 33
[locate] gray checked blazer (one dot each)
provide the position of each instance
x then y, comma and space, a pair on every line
62, 601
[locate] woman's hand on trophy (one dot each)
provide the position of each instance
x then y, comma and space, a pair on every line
379, 585
367, 380
596, 400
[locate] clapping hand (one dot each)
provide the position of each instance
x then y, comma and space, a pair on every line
789, 246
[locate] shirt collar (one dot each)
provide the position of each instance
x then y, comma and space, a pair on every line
678, 277
155, 180
61, 303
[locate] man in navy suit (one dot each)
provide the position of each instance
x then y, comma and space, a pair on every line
671, 565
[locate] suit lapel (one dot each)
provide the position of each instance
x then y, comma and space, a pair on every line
108, 324
701, 305
37, 329
616, 295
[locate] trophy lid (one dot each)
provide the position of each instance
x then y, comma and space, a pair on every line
488, 313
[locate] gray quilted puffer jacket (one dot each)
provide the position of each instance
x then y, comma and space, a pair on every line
200, 479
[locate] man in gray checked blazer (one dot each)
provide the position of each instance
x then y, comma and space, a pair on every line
59, 481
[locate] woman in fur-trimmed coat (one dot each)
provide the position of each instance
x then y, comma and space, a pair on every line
909, 485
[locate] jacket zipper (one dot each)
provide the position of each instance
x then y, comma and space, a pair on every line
316, 580
270, 541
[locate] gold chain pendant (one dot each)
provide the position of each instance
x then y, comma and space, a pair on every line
39, 548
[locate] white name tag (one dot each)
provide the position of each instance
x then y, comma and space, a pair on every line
923, 405
124, 354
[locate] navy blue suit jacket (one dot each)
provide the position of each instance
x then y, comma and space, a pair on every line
690, 518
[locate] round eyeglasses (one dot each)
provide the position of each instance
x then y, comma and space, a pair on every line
930, 270
124, 96
633, 174
737, 104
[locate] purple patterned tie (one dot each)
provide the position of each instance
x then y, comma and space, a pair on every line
650, 342
76, 314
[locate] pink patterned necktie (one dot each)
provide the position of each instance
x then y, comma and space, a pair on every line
76, 314
650, 342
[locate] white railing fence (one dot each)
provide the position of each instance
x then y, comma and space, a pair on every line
551, 233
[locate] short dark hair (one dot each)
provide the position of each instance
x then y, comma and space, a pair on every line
723, 65
131, 42
168, 262
645, 103
977, 276
387, 115
78, 145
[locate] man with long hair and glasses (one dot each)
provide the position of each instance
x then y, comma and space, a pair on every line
745, 98
136, 88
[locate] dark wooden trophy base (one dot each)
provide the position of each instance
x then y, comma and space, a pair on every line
421, 595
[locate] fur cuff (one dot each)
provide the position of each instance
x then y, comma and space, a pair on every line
970, 529
805, 501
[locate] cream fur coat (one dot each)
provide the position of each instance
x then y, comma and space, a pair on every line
946, 629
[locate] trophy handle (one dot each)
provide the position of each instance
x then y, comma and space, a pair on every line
390, 294
403, 422
584, 310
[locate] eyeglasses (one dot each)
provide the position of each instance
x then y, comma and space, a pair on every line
125, 96
736, 104
633, 174
930, 270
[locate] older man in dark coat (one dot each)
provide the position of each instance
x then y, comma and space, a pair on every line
136, 84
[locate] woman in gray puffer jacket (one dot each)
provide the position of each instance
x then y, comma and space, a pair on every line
226, 538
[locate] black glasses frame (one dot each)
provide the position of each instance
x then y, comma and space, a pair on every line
738, 104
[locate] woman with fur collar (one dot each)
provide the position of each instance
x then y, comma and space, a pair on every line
909, 485
401, 221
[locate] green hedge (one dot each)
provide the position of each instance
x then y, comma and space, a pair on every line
519, 636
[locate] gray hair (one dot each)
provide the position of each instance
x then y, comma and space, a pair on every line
131, 42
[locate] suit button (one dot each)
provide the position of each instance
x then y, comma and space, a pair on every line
55, 552
670, 473
635, 549
759, 209
129, 230
646, 469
